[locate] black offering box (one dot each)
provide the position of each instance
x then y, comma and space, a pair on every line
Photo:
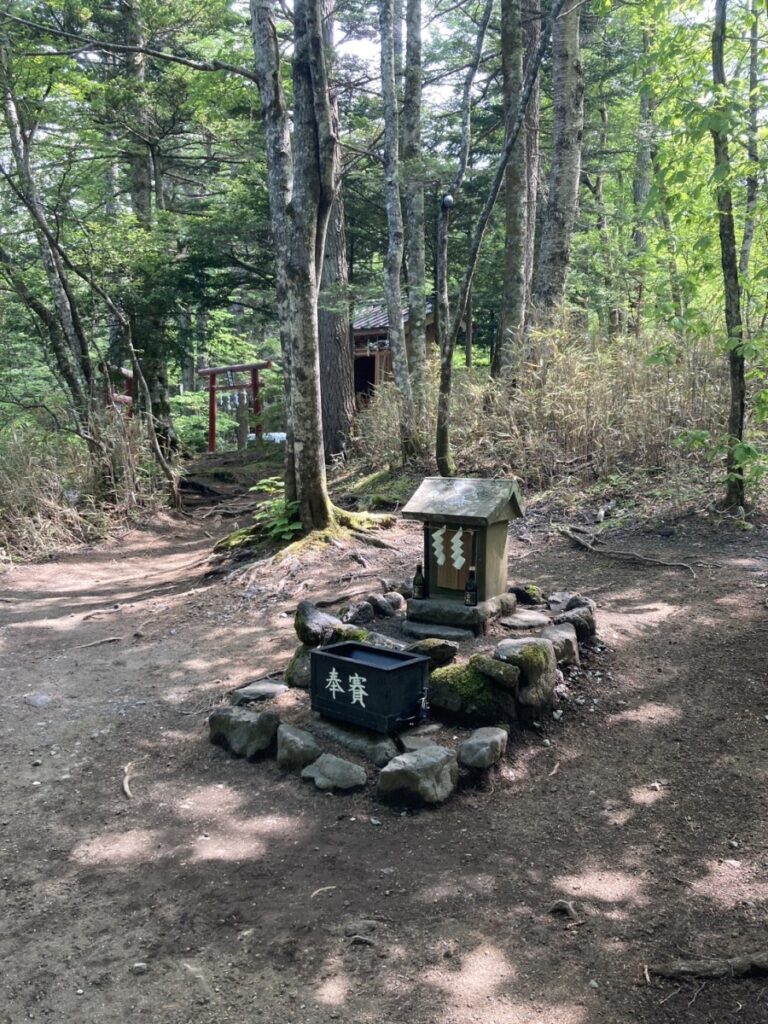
373, 687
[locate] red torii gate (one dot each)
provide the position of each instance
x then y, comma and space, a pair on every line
212, 372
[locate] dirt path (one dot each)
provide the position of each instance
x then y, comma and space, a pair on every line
235, 885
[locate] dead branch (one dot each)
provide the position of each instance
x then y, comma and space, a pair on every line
750, 965
635, 556
98, 643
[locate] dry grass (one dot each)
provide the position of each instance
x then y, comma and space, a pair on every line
597, 411
53, 495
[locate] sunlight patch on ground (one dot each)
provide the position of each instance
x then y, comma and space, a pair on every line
204, 801
731, 882
481, 973
619, 815
645, 796
139, 844
605, 886
648, 714
333, 991
241, 840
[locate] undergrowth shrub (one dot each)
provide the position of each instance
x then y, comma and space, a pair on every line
54, 493
608, 408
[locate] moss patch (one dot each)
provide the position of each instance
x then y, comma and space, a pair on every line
471, 691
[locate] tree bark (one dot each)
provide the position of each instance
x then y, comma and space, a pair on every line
301, 172
734, 493
565, 172
393, 261
337, 375
413, 201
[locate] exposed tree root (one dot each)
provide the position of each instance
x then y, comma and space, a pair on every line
750, 965
589, 542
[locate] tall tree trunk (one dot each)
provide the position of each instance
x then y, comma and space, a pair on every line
448, 333
513, 297
641, 187
413, 201
393, 261
734, 494
445, 336
336, 347
752, 154
567, 131
301, 174
337, 373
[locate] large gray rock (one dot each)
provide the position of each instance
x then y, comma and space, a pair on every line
564, 641
296, 748
370, 745
583, 621
330, 772
299, 671
483, 748
434, 630
315, 627
527, 593
261, 689
245, 733
580, 601
538, 670
423, 776
440, 652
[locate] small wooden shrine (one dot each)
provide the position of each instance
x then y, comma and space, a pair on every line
465, 524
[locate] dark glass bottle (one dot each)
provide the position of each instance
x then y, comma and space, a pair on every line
419, 583
470, 589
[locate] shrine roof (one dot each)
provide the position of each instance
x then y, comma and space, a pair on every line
465, 501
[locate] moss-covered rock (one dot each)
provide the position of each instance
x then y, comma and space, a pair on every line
314, 627
528, 594
535, 658
462, 690
439, 652
506, 676
298, 672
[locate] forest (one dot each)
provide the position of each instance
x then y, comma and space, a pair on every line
557, 208
383, 565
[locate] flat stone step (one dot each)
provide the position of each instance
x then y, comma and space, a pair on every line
423, 630
260, 690
526, 620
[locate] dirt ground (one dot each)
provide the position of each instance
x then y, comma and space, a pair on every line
235, 884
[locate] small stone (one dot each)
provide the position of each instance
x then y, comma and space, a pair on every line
296, 748
359, 613
37, 783
557, 715
594, 984
329, 772
395, 600
582, 619
139, 968
559, 601
733, 843
380, 605
388, 642
257, 691
507, 676
314, 627
374, 821
527, 593
36, 763
580, 601
244, 733
37, 700
483, 748
564, 641
370, 745
536, 660
440, 652
299, 671
423, 776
